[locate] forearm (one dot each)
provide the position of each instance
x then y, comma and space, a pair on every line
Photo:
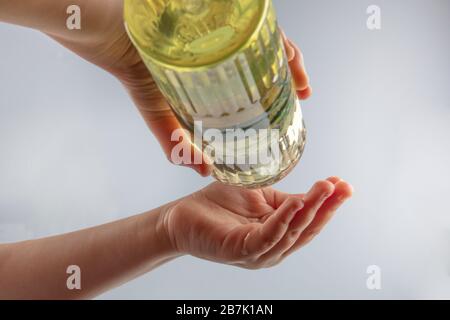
107, 256
50, 16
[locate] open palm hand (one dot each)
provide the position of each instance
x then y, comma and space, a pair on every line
251, 228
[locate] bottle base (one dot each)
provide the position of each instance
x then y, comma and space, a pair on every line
242, 181
250, 180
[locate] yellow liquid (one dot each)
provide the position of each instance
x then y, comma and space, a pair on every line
222, 62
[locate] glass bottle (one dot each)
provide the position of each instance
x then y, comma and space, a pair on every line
222, 66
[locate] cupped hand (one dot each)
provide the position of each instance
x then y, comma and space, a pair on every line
105, 43
251, 228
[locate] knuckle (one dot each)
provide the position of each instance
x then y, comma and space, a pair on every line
294, 234
266, 262
270, 264
268, 241
284, 224
260, 262
295, 202
250, 259
312, 233
252, 266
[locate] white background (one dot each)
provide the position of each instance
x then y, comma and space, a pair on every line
75, 153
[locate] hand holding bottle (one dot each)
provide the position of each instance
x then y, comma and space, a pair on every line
106, 44
103, 41
224, 69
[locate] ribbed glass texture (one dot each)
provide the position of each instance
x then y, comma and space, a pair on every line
244, 102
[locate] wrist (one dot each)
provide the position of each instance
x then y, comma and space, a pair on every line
151, 245
162, 230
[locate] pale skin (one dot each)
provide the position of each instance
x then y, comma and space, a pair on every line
246, 228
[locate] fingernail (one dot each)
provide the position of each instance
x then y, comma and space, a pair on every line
326, 195
290, 52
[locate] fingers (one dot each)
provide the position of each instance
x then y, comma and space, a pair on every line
297, 66
305, 94
267, 235
290, 52
334, 180
293, 224
275, 198
343, 191
313, 201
